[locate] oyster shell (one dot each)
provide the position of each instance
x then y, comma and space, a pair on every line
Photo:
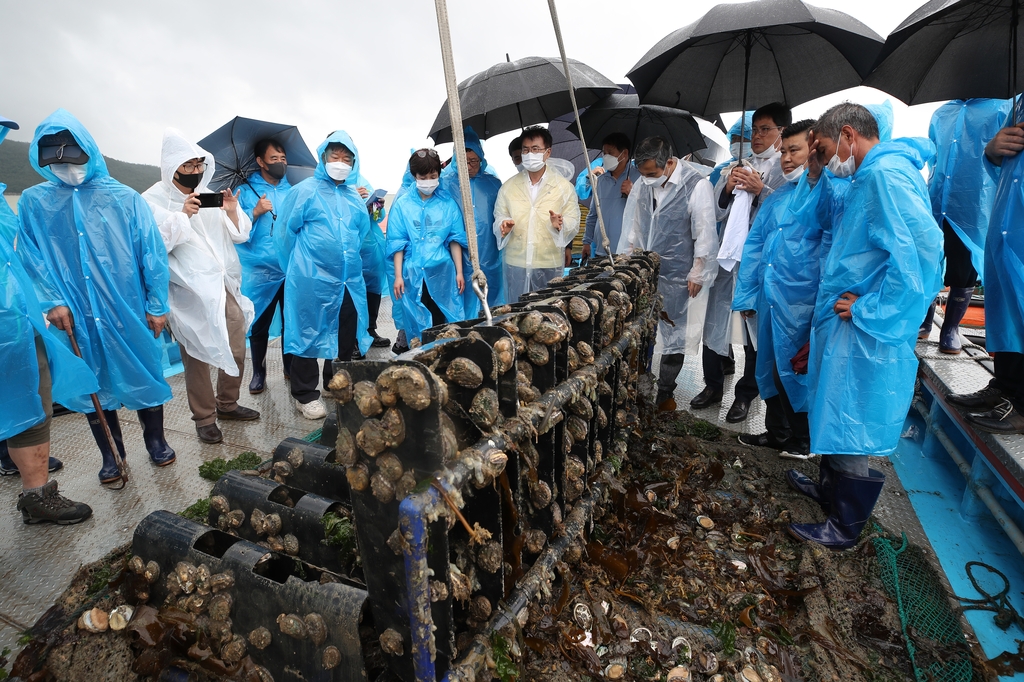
579, 309
382, 487
136, 565
283, 468
484, 408
316, 628
295, 458
291, 544
438, 591
372, 437
358, 477
292, 625
389, 466
152, 572
526, 369
220, 503
489, 556
394, 427
529, 323
680, 673
340, 386
365, 395
261, 637
220, 606
480, 608
537, 353
391, 642
236, 517
233, 651
404, 485
262, 674
548, 334
272, 524
330, 658
602, 417
345, 447
257, 520
494, 463
449, 442
465, 372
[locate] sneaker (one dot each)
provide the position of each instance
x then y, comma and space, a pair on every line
52, 507
761, 440
988, 397
314, 409
1001, 419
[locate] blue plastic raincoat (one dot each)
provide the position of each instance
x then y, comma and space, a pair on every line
262, 275
963, 181
886, 249
485, 188
1004, 258
21, 320
423, 229
321, 226
96, 249
583, 190
372, 249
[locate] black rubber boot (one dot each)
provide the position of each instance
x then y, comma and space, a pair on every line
109, 472
152, 419
853, 499
258, 350
820, 492
956, 307
9, 468
926, 326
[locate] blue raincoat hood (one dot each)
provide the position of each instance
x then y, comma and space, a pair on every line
917, 150
748, 124
63, 120
341, 137
884, 116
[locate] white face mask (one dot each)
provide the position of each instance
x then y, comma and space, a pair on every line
767, 153
734, 149
427, 186
794, 175
611, 163
338, 170
533, 162
842, 169
648, 180
69, 173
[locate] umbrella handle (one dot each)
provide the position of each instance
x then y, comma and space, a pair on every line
122, 467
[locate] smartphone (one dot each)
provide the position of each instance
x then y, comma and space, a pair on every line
211, 200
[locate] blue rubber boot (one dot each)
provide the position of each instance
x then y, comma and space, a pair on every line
853, 499
160, 453
956, 307
109, 472
820, 492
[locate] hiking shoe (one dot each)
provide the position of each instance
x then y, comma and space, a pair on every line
761, 440
314, 409
988, 397
50, 506
1001, 419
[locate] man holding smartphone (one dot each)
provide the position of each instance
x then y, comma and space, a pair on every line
209, 315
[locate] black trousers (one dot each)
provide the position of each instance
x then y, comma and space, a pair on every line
798, 428
960, 272
1010, 377
373, 308
714, 372
259, 333
436, 316
306, 371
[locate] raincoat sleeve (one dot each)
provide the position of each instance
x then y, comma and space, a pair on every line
749, 275
247, 200
32, 259
570, 212
175, 227
704, 233
239, 234
398, 232
722, 213
291, 218
630, 223
897, 218
151, 254
502, 212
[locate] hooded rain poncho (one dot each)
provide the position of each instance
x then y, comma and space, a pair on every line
262, 276
372, 249
886, 249
681, 229
423, 230
534, 251
96, 249
201, 254
321, 228
963, 181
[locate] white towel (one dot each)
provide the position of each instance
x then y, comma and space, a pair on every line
736, 230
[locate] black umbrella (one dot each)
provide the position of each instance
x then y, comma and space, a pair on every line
565, 145
625, 114
767, 51
513, 95
233, 147
953, 49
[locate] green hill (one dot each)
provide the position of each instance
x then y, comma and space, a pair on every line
17, 173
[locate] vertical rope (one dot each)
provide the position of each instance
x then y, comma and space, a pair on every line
478, 278
576, 112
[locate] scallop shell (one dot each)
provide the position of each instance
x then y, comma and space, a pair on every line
573, 488
528, 323
220, 606
537, 353
119, 617
577, 428
480, 608
604, 388
405, 485
372, 437
136, 565
449, 332
345, 447
504, 360
233, 651
706, 662
383, 489
503, 345
615, 671
548, 334
484, 408
261, 637
680, 673
391, 642
292, 625
585, 352
582, 407
173, 586
275, 544
465, 372
365, 395
489, 557
220, 503
438, 591
358, 477
291, 544
602, 418
705, 522
330, 658
186, 574
196, 603
389, 466
316, 628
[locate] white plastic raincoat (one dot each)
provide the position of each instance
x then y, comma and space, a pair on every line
534, 251
201, 254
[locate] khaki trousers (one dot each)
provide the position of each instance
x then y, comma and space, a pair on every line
198, 384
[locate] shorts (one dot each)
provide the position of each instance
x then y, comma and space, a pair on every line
40, 433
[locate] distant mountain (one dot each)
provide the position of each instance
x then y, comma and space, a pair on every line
17, 173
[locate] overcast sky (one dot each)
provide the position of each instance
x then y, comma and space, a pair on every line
128, 69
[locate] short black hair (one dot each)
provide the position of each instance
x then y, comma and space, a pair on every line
424, 162
799, 127
331, 146
618, 140
515, 145
533, 132
776, 111
263, 145
656, 149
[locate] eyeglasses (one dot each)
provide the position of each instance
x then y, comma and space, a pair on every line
194, 167
534, 150
764, 130
423, 153
472, 162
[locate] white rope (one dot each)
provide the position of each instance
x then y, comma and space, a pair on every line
478, 278
605, 242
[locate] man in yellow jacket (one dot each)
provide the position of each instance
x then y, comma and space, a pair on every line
536, 216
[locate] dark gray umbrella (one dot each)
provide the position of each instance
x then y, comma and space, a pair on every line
757, 52
953, 49
517, 94
625, 114
233, 147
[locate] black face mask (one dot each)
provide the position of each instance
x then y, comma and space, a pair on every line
277, 170
190, 181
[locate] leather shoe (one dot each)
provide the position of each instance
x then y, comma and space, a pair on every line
242, 414
209, 433
761, 440
380, 341
709, 396
738, 411
1001, 419
986, 398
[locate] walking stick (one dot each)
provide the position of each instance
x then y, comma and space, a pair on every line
122, 466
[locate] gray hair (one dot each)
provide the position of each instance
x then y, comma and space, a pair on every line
657, 149
847, 114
